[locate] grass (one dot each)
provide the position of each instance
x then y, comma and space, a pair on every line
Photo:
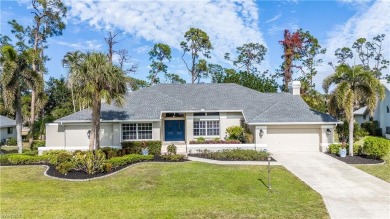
381, 171
158, 190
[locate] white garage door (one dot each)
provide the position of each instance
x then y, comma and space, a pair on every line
293, 139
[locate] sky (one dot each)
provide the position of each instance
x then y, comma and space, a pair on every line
229, 24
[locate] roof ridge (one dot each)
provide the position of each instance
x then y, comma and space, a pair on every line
267, 110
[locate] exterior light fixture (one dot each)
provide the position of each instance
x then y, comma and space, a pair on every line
328, 132
269, 158
89, 134
261, 133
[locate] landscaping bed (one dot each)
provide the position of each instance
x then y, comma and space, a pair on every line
232, 155
357, 159
72, 174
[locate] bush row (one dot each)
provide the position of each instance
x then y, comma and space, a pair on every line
215, 141
135, 147
172, 157
128, 159
233, 154
15, 159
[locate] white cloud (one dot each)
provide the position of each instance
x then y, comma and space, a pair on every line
273, 19
142, 49
84, 46
229, 23
368, 24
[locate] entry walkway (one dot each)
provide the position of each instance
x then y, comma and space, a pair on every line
347, 191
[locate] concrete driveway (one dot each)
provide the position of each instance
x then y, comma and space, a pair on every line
347, 191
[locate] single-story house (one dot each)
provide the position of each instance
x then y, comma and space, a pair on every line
381, 113
180, 113
7, 128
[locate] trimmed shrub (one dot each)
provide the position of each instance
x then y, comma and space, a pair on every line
216, 142
60, 158
334, 148
201, 140
90, 162
131, 158
65, 167
235, 133
233, 154
27, 159
135, 147
372, 127
172, 157
109, 152
36, 144
4, 159
376, 147
171, 149
107, 167
11, 142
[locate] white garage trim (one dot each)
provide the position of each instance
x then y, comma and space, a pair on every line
293, 139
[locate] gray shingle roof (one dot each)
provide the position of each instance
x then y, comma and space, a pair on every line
148, 103
6, 122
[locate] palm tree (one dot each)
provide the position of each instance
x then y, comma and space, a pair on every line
16, 72
96, 79
70, 61
355, 86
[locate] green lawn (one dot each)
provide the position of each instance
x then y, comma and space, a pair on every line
381, 171
158, 190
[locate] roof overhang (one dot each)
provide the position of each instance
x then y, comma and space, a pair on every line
201, 111
107, 121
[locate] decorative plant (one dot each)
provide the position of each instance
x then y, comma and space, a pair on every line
235, 133
171, 149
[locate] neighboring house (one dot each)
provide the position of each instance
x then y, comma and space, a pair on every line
7, 128
381, 113
183, 112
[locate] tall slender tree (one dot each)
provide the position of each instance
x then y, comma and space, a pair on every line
70, 61
354, 85
16, 72
250, 55
158, 54
196, 43
97, 78
48, 22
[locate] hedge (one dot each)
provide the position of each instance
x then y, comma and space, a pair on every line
13, 159
376, 147
135, 147
128, 159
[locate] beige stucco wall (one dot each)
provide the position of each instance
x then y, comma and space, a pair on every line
4, 133
294, 137
55, 135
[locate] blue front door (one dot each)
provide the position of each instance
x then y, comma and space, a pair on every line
174, 130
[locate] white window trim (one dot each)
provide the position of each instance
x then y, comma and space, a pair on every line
206, 136
136, 131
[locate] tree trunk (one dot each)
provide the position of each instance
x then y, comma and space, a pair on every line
19, 121
32, 116
94, 141
74, 105
351, 124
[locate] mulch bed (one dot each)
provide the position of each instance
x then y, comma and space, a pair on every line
220, 159
81, 175
357, 159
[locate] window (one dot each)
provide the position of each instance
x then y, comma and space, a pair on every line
364, 117
388, 110
206, 128
10, 130
133, 131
